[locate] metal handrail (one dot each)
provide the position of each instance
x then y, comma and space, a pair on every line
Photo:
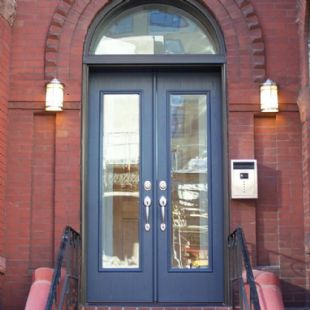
65, 281
240, 260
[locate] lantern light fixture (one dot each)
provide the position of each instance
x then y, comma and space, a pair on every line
54, 96
269, 97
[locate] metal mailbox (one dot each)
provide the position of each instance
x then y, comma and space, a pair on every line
244, 179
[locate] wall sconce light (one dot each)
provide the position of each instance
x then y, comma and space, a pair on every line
269, 97
54, 96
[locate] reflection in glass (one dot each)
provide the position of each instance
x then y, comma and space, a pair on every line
153, 29
189, 181
120, 181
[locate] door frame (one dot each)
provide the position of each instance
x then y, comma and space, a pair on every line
119, 62
84, 162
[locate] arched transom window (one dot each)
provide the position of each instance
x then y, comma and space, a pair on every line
153, 29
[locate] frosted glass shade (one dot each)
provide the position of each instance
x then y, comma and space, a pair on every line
54, 96
269, 97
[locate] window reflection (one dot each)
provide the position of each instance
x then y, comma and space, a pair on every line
189, 181
120, 183
153, 29
160, 20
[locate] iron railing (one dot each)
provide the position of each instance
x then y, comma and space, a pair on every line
240, 264
64, 288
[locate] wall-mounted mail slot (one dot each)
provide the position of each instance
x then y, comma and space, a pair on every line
243, 179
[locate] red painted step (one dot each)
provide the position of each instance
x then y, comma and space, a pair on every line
39, 290
268, 289
38, 294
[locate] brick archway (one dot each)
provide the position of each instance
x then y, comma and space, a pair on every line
237, 19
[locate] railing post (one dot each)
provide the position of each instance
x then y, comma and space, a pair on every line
236, 242
68, 255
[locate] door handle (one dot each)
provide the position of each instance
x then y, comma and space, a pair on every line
162, 205
147, 204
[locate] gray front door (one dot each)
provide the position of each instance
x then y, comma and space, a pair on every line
155, 187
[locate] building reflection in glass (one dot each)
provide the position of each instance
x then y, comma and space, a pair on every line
189, 181
120, 242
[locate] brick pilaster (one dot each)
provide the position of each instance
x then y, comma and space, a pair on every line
7, 15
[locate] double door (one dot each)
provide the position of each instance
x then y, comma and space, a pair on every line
154, 187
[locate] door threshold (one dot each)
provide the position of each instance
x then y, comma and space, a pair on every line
150, 306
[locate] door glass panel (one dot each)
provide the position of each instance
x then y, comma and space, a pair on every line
189, 181
153, 29
120, 181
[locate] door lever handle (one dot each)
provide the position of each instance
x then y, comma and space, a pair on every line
162, 204
147, 204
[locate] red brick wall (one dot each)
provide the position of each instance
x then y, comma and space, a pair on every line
303, 34
43, 193
267, 207
304, 108
18, 204
306, 196
241, 145
277, 216
44, 150
289, 189
5, 40
41, 248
